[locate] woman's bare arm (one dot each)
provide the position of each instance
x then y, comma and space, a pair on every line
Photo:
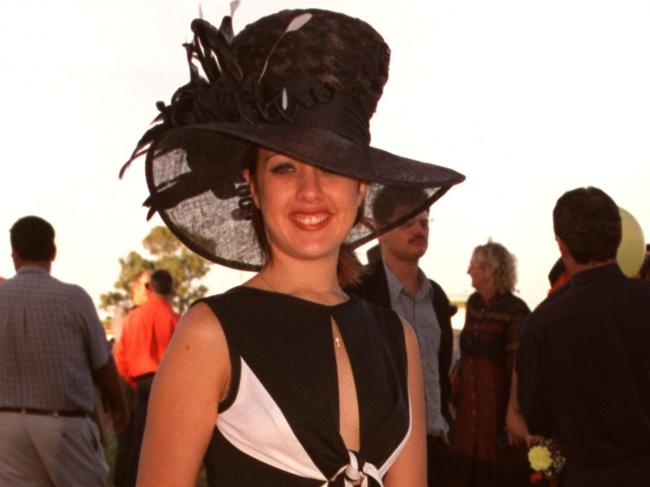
410, 467
193, 377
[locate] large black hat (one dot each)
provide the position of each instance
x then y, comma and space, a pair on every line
301, 82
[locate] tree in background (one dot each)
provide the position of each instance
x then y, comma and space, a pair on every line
168, 253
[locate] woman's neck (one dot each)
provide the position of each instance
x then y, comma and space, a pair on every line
487, 295
311, 280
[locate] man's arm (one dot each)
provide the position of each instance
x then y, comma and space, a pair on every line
104, 376
444, 311
107, 381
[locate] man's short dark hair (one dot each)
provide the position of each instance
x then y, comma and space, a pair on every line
32, 239
589, 223
162, 282
390, 199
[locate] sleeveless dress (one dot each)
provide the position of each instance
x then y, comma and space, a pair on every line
279, 424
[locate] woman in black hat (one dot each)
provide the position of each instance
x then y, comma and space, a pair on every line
264, 164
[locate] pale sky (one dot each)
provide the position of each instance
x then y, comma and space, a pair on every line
527, 98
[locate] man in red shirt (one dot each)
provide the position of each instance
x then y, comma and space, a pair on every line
146, 333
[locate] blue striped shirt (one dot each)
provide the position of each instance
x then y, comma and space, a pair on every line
418, 311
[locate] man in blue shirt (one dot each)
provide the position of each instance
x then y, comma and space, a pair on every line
396, 281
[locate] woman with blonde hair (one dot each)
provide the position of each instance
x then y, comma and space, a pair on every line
481, 451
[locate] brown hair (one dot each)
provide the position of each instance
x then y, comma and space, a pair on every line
589, 223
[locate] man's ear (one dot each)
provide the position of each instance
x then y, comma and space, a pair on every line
246, 174
564, 250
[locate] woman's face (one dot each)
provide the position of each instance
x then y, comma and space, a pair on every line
307, 211
480, 274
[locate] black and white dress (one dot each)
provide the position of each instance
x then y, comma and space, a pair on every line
279, 425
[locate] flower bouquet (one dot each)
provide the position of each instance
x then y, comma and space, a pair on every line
546, 460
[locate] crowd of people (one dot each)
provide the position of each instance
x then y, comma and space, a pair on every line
319, 370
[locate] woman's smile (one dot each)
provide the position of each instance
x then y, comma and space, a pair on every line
311, 220
307, 211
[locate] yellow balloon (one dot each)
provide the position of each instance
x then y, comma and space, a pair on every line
631, 251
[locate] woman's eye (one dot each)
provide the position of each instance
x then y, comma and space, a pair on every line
283, 168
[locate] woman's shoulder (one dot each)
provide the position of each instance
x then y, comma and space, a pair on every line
240, 299
237, 292
515, 303
474, 300
199, 325
233, 294
507, 306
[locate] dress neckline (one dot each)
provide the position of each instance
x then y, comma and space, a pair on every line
291, 297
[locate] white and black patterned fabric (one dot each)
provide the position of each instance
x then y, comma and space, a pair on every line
279, 425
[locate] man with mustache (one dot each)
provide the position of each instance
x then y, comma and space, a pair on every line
396, 281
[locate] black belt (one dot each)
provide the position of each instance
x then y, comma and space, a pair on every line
44, 412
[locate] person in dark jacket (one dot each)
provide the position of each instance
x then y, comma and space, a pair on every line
394, 280
644, 273
584, 357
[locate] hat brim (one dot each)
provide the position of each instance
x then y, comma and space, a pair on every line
194, 178
329, 150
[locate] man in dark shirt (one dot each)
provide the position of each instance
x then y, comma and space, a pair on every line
584, 357
644, 273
